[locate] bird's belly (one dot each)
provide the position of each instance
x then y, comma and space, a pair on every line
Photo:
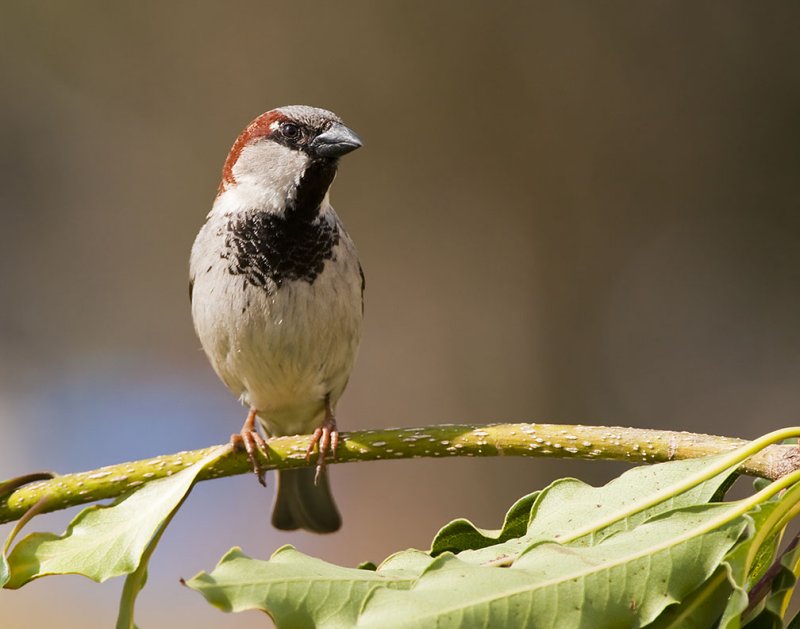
282, 351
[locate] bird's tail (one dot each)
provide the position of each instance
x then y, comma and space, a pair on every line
302, 504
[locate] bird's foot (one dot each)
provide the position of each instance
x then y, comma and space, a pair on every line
326, 438
249, 439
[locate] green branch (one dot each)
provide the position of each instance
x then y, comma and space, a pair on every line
634, 445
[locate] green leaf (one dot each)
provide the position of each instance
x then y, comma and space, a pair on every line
4, 571
761, 483
568, 505
137, 579
650, 567
701, 608
742, 576
462, 534
738, 600
645, 532
105, 541
298, 590
781, 588
784, 583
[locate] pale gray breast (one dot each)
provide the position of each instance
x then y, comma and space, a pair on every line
280, 327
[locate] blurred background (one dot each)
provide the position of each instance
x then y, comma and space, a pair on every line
567, 212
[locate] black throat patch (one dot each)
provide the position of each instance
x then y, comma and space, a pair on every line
269, 249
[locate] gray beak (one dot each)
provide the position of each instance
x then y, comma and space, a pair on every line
336, 141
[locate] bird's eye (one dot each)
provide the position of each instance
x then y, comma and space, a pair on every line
290, 131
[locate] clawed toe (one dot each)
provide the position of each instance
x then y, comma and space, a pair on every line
326, 438
252, 442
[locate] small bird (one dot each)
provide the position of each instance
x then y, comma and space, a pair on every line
277, 295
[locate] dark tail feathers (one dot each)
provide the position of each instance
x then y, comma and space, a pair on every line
300, 504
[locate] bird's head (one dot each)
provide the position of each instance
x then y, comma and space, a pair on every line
285, 150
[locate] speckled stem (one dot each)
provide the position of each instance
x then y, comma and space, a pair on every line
525, 439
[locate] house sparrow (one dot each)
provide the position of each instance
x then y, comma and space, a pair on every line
277, 295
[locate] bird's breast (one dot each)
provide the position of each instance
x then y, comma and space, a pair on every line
272, 249
279, 321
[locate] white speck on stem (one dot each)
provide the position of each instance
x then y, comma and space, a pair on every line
672, 448
378, 444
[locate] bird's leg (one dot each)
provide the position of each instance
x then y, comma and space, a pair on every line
326, 437
249, 438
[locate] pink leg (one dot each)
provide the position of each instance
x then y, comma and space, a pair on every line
249, 438
326, 438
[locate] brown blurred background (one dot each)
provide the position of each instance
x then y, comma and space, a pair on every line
574, 212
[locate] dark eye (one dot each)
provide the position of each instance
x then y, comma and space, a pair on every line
290, 131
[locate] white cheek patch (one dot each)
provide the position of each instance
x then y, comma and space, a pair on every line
267, 175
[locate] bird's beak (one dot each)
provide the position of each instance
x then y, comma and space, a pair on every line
336, 141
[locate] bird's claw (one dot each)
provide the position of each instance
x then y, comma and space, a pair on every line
326, 438
252, 442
